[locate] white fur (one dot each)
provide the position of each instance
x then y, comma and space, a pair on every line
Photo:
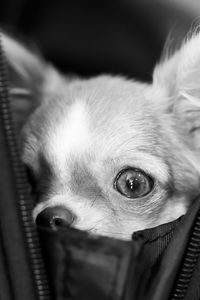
70, 136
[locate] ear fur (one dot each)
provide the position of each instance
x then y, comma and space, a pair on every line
180, 77
28, 76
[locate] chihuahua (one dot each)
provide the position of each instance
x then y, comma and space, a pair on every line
108, 155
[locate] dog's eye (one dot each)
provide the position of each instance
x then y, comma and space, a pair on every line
133, 183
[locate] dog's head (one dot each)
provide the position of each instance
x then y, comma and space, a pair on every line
114, 154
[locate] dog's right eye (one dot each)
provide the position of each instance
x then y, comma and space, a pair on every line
133, 183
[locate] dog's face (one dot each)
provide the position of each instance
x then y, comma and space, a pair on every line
119, 155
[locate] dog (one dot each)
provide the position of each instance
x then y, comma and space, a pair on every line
108, 154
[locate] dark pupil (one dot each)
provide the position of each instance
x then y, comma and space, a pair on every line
132, 183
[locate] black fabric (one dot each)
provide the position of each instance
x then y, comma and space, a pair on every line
16, 281
85, 267
82, 267
91, 37
156, 239
167, 268
88, 268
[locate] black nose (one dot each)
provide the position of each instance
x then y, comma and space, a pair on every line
55, 218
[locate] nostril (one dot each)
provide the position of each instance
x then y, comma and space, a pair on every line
57, 222
55, 218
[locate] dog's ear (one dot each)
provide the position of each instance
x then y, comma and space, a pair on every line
28, 76
180, 77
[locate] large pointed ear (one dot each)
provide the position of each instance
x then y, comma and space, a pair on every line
28, 76
180, 77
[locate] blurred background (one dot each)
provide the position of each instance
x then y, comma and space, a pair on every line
89, 37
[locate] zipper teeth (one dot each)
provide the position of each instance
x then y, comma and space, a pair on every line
190, 258
22, 187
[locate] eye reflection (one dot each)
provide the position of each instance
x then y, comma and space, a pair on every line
133, 183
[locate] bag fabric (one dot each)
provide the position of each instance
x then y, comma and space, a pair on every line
93, 37
88, 268
82, 267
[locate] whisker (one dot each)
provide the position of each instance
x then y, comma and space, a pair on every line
93, 202
102, 219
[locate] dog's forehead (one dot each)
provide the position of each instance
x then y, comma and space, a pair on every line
101, 117
70, 136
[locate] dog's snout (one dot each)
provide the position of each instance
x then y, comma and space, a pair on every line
55, 218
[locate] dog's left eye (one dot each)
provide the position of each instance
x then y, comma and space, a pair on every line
133, 183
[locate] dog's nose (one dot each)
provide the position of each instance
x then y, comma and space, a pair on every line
55, 218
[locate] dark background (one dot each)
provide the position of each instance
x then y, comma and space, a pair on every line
89, 37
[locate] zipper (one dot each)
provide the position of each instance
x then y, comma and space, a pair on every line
189, 262
22, 187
